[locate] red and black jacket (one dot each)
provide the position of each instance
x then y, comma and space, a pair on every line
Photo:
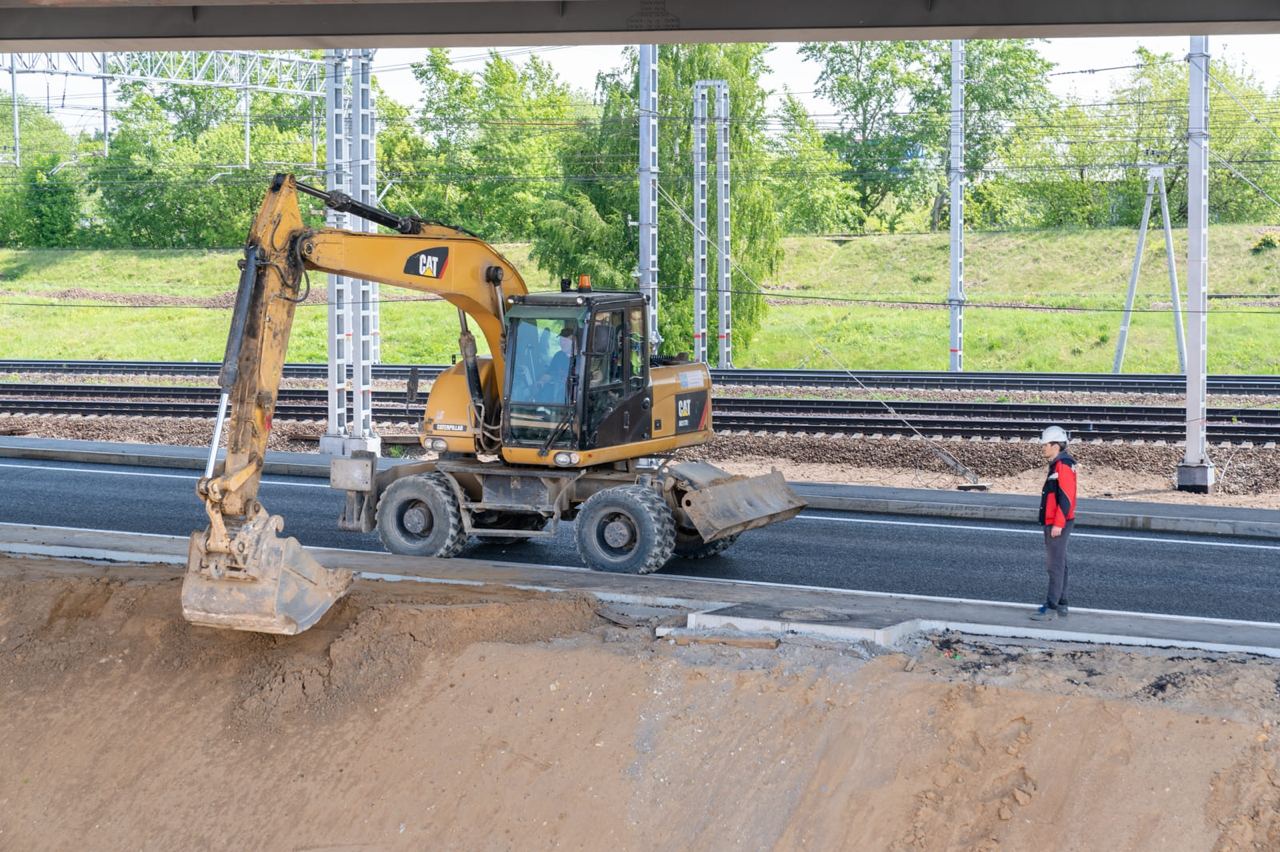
1058, 497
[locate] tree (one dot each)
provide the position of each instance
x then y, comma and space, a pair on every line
1006, 85
491, 142
590, 227
809, 190
1083, 165
40, 202
49, 202
884, 140
895, 104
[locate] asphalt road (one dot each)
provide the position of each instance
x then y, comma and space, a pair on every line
1209, 576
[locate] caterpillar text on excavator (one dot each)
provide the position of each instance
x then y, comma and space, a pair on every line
570, 417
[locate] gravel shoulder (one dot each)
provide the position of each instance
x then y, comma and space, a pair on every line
1247, 476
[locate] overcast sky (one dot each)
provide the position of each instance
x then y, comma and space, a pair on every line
75, 101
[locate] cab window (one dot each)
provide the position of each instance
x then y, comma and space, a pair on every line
606, 368
638, 349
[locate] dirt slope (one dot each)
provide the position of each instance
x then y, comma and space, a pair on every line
473, 718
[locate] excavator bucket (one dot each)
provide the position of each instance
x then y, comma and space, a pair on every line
720, 504
265, 583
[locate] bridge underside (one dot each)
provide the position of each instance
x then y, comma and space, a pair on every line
52, 25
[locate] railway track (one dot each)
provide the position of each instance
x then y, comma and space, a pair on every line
1078, 382
949, 419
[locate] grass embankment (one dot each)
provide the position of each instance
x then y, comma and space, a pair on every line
1061, 268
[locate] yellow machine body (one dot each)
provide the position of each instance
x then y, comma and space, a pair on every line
511, 460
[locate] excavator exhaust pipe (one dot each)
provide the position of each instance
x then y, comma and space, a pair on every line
265, 582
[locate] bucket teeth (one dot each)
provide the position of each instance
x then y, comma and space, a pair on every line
266, 583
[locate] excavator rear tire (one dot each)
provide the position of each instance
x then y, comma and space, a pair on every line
626, 529
419, 516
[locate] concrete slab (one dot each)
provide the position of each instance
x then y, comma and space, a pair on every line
1188, 519
750, 606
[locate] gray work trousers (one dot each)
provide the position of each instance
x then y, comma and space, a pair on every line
1056, 560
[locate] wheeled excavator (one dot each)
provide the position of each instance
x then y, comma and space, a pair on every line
569, 417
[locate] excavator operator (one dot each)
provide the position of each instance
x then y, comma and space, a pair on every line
554, 379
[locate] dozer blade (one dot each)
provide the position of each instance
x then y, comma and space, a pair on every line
720, 504
267, 583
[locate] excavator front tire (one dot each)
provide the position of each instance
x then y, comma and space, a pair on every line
626, 529
419, 516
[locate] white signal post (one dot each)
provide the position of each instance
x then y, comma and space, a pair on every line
955, 297
1196, 473
648, 260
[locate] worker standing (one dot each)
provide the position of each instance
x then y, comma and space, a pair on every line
1057, 514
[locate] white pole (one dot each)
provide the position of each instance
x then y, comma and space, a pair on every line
360, 306
723, 265
106, 116
1173, 277
648, 261
1196, 473
700, 221
955, 297
375, 299
1123, 337
248, 104
333, 442
13, 89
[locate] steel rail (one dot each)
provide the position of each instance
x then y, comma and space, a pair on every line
981, 420
901, 379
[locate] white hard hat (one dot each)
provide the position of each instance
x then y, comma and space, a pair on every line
1054, 435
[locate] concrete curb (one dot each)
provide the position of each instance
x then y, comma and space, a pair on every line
1243, 528
141, 459
841, 614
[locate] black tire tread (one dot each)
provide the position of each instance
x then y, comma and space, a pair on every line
652, 505
438, 482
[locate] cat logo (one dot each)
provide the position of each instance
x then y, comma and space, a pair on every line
430, 263
684, 408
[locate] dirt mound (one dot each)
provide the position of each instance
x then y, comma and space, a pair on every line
454, 717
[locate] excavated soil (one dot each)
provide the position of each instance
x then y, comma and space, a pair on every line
444, 717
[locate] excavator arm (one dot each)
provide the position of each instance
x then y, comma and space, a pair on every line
240, 573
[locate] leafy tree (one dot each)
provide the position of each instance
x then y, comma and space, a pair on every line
1083, 165
895, 105
884, 139
50, 203
590, 228
39, 201
491, 143
808, 188
1006, 85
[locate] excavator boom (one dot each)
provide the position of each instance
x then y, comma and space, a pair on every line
240, 573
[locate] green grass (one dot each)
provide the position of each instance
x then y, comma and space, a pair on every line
1082, 268
1049, 267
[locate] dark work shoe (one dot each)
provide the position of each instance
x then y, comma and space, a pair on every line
1045, 613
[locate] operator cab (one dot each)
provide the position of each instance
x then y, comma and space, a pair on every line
577, 370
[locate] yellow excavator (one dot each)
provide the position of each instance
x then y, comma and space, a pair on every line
570, 417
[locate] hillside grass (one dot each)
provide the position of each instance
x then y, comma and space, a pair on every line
1061, 268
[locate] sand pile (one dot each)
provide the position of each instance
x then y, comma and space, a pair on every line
425, 716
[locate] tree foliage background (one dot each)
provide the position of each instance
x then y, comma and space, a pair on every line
515, 153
